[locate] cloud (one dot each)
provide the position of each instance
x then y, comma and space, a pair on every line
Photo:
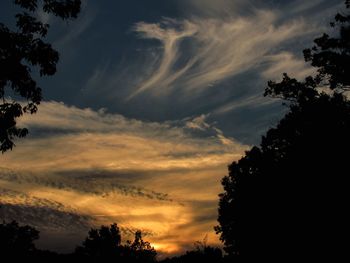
84, 138
142, 175
199, 53
253, 101
65, 223
102, 183
162, 177
218, 8
42, 213
287, 62
215, 57
75, 28
298, 6
170, 38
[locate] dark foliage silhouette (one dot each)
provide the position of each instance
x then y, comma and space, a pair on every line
22, 50
201, 253
140, 250
17, 240
331, 55
102, 243
288, 197
105, 243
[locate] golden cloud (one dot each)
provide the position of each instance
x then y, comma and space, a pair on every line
160, 177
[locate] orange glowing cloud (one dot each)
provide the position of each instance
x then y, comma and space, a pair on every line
163, 178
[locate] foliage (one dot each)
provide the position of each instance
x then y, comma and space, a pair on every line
140, 250
288, 197
17, 240
105, 243
17, 243
21, 51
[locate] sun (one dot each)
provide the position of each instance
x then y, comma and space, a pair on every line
165, 248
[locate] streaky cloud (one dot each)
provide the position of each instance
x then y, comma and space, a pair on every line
42, 213
138, 173
88, 182
170, 38
220, 49
286, 62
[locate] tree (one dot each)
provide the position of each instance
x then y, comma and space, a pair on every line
21, 51
331, 54
102, 243
140, 250
17, 241
288, 197
105, 243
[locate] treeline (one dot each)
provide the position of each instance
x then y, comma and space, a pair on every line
18, 242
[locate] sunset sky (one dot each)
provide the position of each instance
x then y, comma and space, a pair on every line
151, 101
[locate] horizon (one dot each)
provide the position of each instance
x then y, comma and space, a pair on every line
150, 104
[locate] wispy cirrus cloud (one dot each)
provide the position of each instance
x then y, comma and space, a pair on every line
171, 38
84, 138
215, 58
215, 48
210, 62
286, 62
76, 29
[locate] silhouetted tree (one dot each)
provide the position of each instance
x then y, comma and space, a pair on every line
21, 51
102, 243
105, 243
289, 196
17, 241
331, 55
139, 250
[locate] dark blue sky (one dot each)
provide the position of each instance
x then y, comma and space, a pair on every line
104, 60
151, 101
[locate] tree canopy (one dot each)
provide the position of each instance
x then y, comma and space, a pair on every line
21, 51
288, 197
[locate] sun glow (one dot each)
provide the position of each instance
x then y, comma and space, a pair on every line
155, 177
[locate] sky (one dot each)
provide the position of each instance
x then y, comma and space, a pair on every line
152, 100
